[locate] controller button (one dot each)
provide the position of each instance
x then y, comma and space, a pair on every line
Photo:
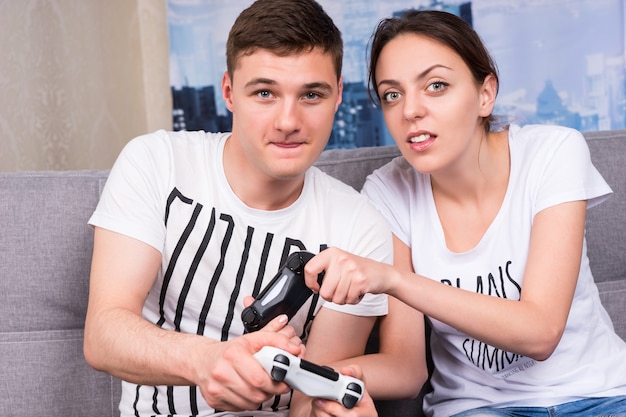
278, 374
294, 263
353, 386
281, 359
323, 371
349, 401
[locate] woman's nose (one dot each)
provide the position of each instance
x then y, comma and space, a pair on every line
413, 107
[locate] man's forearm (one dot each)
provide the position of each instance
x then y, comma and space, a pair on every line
137, 351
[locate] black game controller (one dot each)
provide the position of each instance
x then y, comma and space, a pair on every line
310, 379
285, 294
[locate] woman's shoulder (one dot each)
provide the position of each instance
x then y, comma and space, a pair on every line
537, 138
396, 177
542, 133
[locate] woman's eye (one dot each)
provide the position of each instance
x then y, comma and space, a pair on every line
391, 96
438, 86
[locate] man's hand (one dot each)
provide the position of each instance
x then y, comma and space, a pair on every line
236, 381
288, 331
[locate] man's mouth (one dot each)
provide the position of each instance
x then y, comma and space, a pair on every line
287, 144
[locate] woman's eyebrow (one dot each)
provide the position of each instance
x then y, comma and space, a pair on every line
420, 76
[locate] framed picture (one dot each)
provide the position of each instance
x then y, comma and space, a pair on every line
560, 61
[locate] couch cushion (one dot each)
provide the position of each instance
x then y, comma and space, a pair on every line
45, 248
45, 374
45, 253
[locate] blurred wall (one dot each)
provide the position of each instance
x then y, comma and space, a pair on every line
78, 79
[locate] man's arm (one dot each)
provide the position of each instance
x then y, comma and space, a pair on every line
120, 342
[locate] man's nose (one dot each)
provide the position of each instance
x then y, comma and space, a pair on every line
287, 117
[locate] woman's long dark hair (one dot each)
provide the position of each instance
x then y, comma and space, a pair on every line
445, 28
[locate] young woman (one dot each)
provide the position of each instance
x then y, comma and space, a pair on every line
492, 225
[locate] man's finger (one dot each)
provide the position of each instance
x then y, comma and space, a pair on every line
248, 300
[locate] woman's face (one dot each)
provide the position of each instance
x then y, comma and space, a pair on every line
432, 105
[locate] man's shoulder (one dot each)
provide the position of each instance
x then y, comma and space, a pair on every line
165, 144
178, 137
327, 182
329, 193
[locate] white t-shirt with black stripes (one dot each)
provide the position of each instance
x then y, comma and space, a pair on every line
168, 189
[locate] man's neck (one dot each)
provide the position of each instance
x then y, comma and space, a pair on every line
254, 188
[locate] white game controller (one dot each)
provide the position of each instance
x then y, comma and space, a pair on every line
310, 379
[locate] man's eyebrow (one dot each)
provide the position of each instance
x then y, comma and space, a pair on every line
420, 76
258, 81
318, 85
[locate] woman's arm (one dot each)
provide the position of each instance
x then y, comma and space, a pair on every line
531, 326
397, 371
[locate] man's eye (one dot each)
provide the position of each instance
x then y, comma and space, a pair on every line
311, 95
264, 94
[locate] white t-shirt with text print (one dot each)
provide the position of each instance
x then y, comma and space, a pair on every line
549, 165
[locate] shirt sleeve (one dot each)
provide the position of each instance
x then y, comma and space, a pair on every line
369, 237
569, 175
132, 200
389, 190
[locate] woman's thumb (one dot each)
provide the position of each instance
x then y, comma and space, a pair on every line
277, 323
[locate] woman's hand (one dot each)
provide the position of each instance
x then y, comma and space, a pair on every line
329, 408
347, 277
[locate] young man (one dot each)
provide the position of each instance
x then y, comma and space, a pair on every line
190, 223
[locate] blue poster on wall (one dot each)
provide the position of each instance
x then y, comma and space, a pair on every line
560, 61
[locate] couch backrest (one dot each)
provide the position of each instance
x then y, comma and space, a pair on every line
45, 256
606, 225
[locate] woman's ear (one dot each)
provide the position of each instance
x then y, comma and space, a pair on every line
488, 92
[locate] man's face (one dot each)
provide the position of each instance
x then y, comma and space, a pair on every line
283, 110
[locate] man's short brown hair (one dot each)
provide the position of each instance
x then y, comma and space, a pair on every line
283, 27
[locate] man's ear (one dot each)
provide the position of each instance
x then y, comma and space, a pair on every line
488, 93
227, 90
339, 93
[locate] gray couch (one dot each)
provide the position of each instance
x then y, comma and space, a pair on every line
45, 254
